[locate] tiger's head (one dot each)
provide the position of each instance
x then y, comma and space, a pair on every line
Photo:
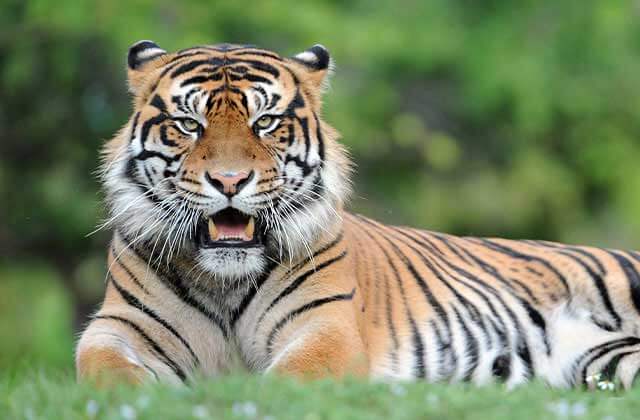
226, 159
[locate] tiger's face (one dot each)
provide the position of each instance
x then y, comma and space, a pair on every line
225, 160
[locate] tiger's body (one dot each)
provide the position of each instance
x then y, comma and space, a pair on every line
282, 279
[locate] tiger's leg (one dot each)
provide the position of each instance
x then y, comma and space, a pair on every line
114, 349
318, 339
145, 330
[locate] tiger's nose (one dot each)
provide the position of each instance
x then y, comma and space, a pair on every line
229, 183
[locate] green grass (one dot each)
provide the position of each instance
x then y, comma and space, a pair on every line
42, 396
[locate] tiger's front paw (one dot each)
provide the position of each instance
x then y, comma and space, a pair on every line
107, 367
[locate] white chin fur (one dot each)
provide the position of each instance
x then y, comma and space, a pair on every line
232, 263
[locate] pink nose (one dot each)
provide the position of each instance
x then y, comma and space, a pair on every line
229, 183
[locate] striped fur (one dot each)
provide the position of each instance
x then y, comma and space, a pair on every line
329, 293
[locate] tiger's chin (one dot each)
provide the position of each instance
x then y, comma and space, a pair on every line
233, 263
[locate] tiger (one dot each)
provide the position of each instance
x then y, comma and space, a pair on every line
232, 250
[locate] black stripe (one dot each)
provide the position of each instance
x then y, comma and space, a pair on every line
126, 269
136, 303
595, 260
452, 247
150, 342
202, 79
170, 279
600, 286
249, 77
534, 315
436, 256
418, 346
157, 102
600, 350
522, 350
248, 298
257, 52
320, 139
196, 63
426, 290
447, 357
634, 255
318, 253
471, 344
416, 337
632, 277
522, 346
522, 256
302, 309
609, 371
298, 282
146, 127
259, 65
134, 126
470, 307
389, 316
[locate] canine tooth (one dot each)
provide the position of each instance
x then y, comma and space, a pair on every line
213, 230
248, 231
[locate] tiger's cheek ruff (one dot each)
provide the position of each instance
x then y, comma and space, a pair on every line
321, 192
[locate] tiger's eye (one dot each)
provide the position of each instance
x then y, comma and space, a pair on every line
190, 124
264, 121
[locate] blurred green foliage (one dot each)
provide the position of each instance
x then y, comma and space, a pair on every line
516, 119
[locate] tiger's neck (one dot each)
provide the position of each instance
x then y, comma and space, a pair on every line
223, 296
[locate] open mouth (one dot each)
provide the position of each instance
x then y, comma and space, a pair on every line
230, 228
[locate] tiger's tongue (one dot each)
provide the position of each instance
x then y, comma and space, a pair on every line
227, 230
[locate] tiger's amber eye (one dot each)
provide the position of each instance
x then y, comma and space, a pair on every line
264, 121
190, 124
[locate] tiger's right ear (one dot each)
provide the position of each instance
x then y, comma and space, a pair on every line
144, 57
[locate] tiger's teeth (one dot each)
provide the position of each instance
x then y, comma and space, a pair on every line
248, 231
213, 230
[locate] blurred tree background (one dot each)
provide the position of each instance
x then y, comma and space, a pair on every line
503, 118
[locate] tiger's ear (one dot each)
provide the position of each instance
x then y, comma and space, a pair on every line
318, 63
144, 56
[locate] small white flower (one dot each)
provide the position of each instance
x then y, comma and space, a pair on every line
246, 409
398, 390
200, 412
250, 409
127, 412
594, 378
92, 408
560, 408
606, 386
578, 409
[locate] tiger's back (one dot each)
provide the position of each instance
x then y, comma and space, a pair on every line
460, 308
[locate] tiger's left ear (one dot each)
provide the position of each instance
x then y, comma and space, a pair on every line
144, 56
318, 63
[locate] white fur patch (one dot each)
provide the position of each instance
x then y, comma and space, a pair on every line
232, 263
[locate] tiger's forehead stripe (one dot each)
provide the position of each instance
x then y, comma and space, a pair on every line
231, 72
231, 49
215, 64
182, 57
